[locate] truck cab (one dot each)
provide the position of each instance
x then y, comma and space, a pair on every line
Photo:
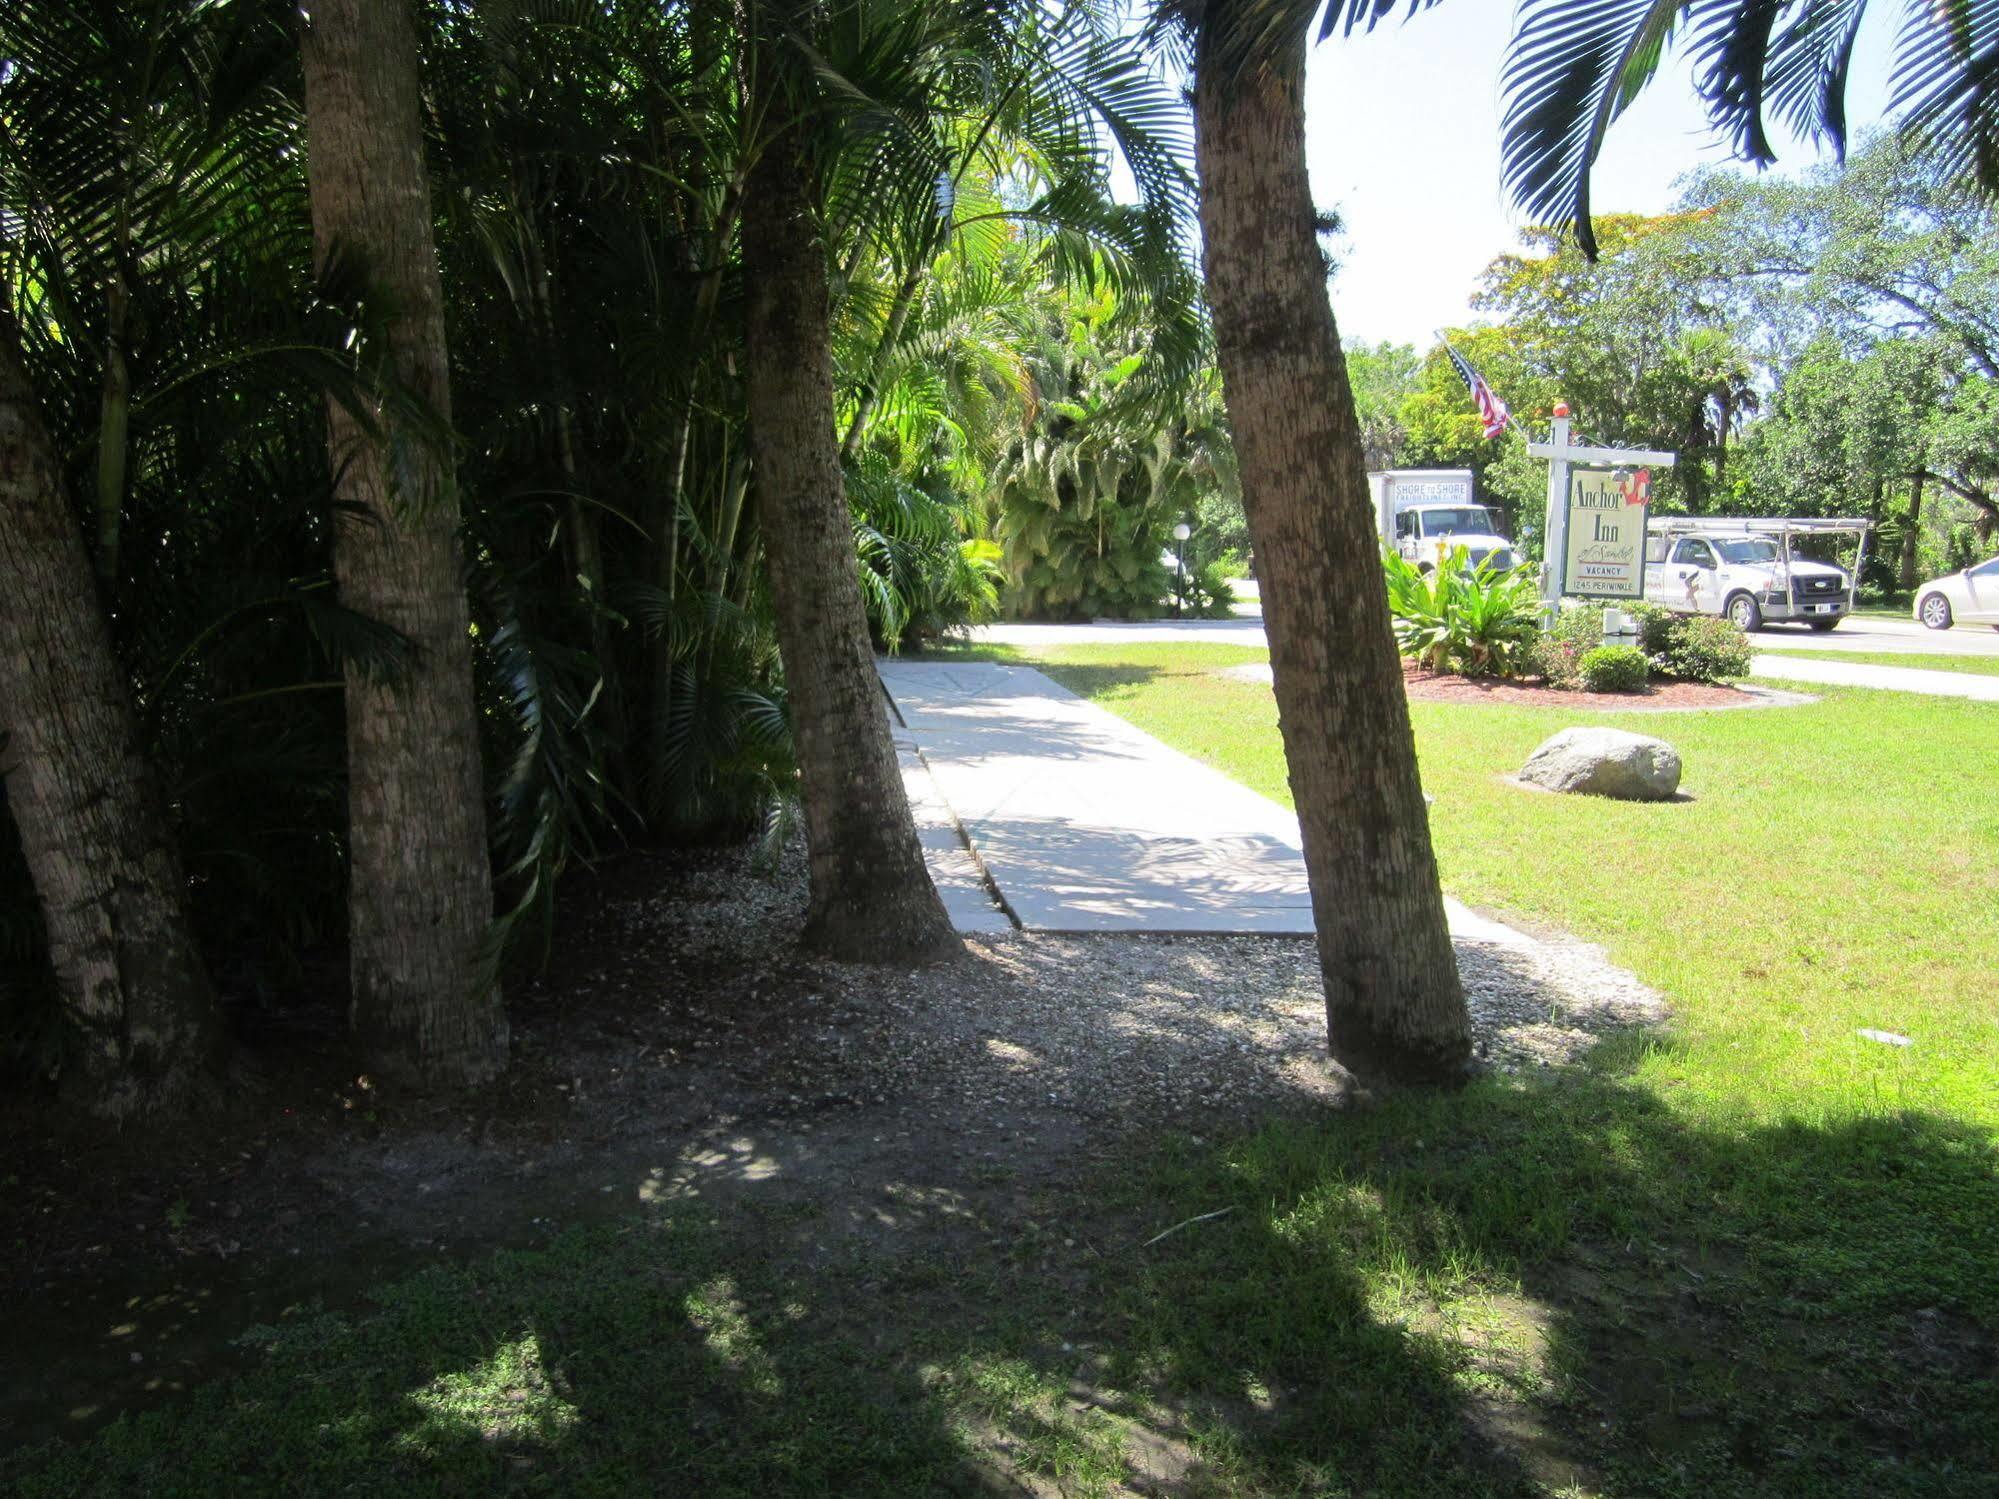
1426, 514
1750, 576
1425, 534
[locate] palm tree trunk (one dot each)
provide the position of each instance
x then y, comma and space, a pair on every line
144, 1035
420, 902
114, 422
871, 894
1394, 1007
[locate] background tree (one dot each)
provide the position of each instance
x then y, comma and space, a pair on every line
1383, 376
1638, 340
1108, 459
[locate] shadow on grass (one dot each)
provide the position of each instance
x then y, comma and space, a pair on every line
1516, 1289
1622, 1300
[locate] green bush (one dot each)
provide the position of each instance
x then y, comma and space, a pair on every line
1209, 592
1556, 656
1655, 625
1695, 647
1613, 668
1476, 621
1704, 649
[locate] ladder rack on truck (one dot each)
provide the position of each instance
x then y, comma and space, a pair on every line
1662, 531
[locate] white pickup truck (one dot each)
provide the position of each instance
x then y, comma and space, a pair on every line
1428, 513
1746, 572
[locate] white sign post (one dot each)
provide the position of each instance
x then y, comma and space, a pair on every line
1560, 453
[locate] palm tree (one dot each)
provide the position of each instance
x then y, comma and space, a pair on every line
1721, 386
1395, 1007
1576, 65
871, 894
144, 1033
424, 1001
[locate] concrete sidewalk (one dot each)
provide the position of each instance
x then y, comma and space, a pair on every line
1789, 668
1087, 824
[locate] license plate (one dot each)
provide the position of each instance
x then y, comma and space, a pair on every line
1822, 608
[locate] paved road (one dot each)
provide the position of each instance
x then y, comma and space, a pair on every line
1898, 637
1895, 637
1088, 824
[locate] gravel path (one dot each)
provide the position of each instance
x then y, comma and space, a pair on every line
1115, 1027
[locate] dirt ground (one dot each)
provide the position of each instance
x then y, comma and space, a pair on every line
676, 1044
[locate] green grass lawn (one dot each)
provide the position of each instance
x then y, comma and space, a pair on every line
1838, 868
1752, 1254
1984, 666
1730, 1237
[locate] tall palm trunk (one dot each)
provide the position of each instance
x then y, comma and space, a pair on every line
420, 888
1394, 1006
143, 1029
871, 894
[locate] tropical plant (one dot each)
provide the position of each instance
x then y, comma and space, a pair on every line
1471, 621
144, 1033
1575, 66
425, 1002
1208, 592
589, 170
1112, 453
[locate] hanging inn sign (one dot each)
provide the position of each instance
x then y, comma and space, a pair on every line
1597, 499
1605, 557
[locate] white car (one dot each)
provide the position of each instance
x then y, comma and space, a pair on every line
1967, 598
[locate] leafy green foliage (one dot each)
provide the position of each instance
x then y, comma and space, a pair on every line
1209, 592
1639, 342
155, 250
1655, 622
1613, 668
1476, 622
1556, 656
1383, 377
1086, 496
1576, 65
1692, 647
1701, 648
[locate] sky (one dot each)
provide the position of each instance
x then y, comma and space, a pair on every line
1402, 133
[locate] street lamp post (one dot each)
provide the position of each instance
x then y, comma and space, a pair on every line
1180, 534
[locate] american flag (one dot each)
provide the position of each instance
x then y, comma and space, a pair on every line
1490, 407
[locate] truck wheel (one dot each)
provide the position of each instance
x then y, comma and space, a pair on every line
1742, 611
1822, 625
1935, 611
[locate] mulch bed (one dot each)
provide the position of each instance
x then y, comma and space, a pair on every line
1435, 687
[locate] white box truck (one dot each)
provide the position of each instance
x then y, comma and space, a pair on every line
1425, 513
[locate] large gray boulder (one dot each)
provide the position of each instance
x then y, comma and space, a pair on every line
1605, 762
